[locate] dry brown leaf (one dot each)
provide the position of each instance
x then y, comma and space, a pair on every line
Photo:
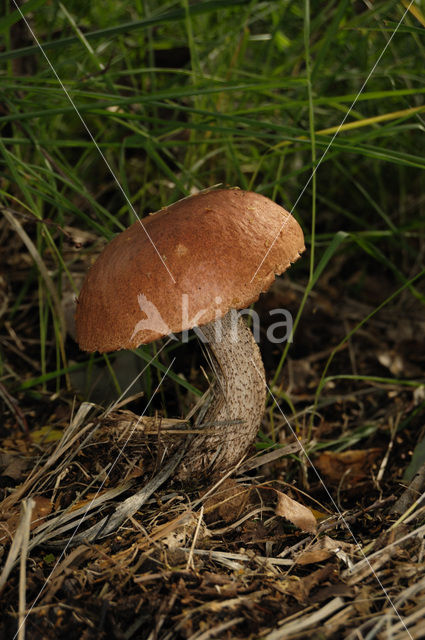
322, 550
228, 502
333, 591
12, 466
295, 512
364, 600
300, 588
42, 508
354, 464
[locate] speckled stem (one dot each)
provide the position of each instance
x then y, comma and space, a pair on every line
234, 415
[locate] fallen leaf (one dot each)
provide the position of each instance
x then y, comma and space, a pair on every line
46, 434
364, 600
13, 466
319, 515
295, 512
228, 502
299, 588
42, 508
322, 550
333, 591
353, 465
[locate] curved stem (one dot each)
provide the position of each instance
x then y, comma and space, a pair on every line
233, 417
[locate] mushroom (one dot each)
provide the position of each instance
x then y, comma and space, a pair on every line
219, 250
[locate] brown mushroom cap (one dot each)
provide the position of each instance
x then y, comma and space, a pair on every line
212, 244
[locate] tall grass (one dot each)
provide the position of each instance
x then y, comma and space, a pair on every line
181, 96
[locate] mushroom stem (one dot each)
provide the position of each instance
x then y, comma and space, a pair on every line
233, 417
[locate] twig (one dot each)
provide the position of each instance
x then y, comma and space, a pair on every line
230, 560
27, 507
189, 564
214, 631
